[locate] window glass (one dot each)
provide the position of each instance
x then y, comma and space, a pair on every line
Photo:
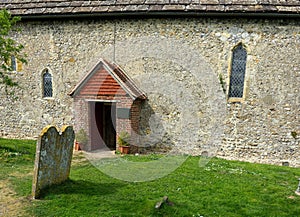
238, 69
13, 63
47, 84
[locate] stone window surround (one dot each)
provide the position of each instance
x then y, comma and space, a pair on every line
46, 69
237, 99
14, 64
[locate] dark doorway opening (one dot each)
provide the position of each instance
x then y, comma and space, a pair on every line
103, 122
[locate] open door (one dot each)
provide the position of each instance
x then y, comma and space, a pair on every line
103, 122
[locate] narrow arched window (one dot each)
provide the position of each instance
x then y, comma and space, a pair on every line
13, 63
237, 74
47, 84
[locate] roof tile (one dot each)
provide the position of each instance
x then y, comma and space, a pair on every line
122, 2
115, 8
244, 2
18, 11
54, 10
130, 8
180, 1
155, 7
82, 9
106, 2
63, 4
143, 7
215, 8
72, 7
76, 3
100, 9
209, 2
196, 7
284, 9
260, 8
156, 1
67, 10
35, 10
174, 7
138, 2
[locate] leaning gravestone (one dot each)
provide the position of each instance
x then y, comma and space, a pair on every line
53, 158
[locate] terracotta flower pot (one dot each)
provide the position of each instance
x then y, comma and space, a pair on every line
124, 149
77, 146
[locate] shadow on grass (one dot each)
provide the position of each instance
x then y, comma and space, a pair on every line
20, 150
8, 149
80, 187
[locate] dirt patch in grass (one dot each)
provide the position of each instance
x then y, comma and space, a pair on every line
78, 158
10, 204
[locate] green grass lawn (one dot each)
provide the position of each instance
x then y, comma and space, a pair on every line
221, 188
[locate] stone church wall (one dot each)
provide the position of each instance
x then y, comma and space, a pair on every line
178, 63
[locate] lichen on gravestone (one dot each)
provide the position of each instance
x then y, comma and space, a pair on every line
53, 158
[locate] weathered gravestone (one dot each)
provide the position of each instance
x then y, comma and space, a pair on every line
53, 158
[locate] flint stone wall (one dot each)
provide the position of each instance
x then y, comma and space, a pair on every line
177, 62
53, 158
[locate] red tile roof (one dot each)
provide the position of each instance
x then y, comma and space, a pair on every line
107, 79
51, 8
